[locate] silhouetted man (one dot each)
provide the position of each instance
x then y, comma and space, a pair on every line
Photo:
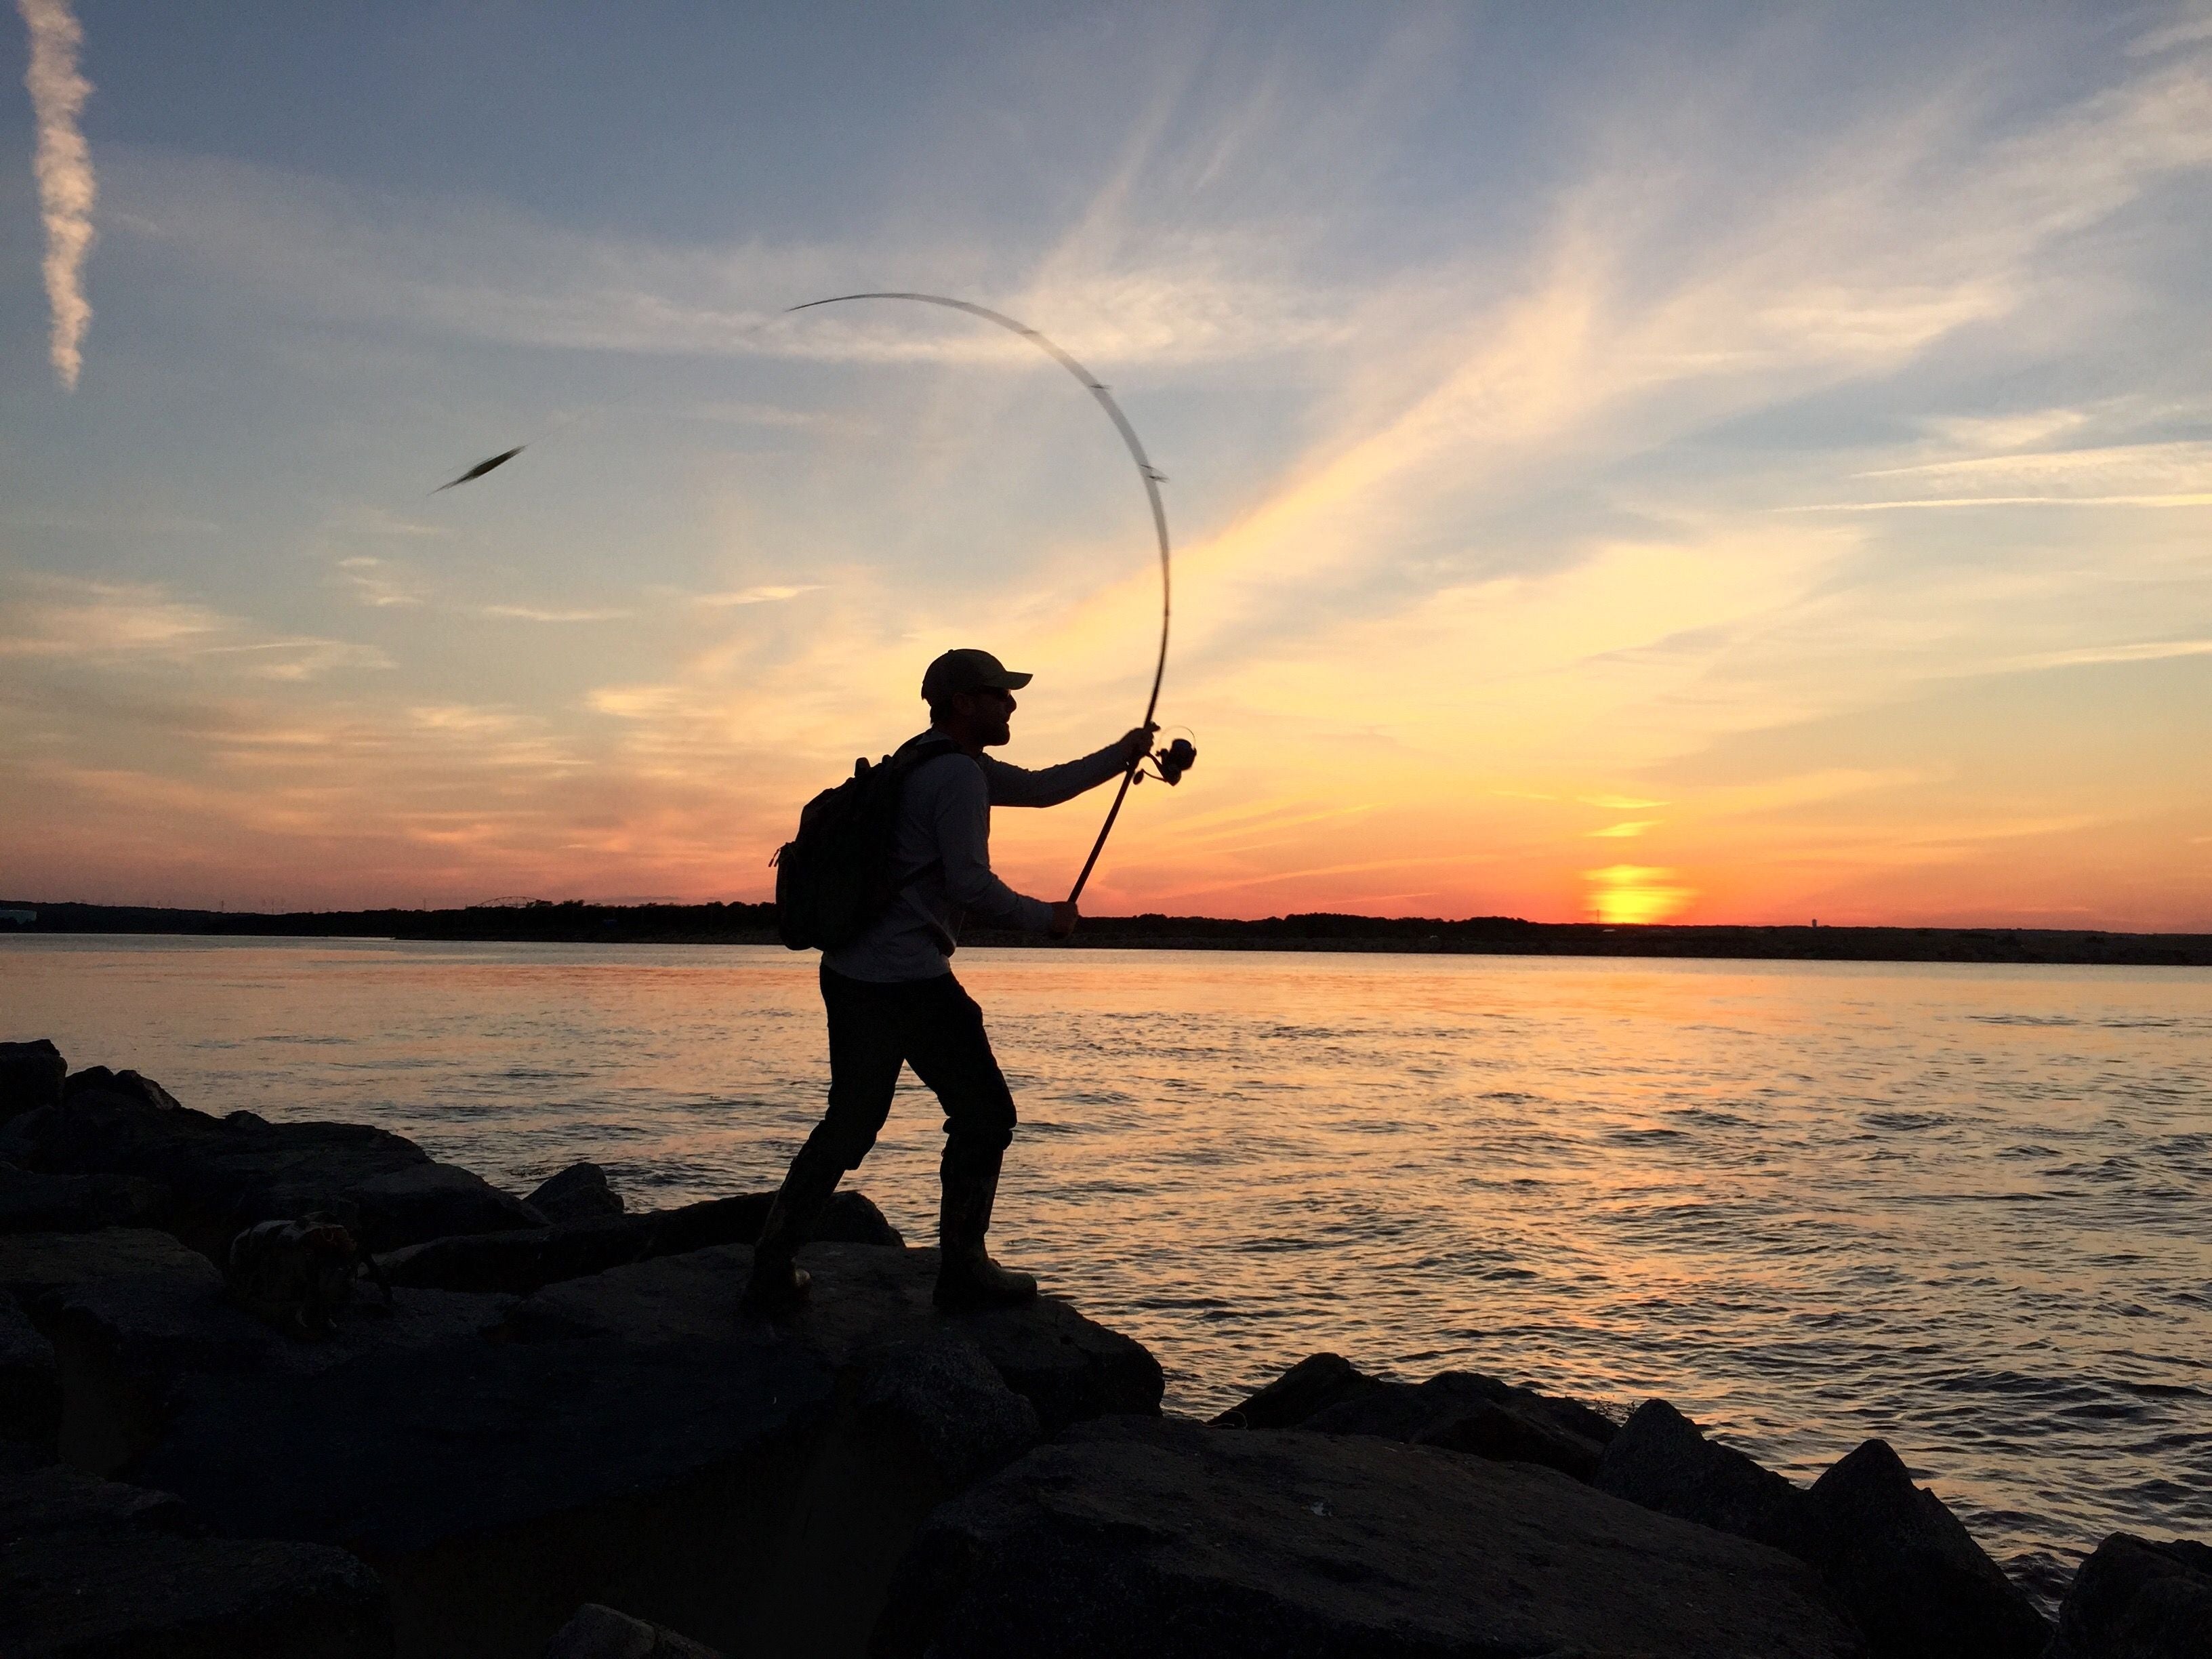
892, 999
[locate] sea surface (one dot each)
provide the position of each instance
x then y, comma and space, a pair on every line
1964, 1208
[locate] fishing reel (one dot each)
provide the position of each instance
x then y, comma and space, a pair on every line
1173, 760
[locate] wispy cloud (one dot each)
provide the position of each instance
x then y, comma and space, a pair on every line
2179, 498
65, 617
65, 620
67, 189
381, 583
770, 595
541, 614
481, 272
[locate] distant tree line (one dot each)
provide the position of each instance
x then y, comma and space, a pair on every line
575, 921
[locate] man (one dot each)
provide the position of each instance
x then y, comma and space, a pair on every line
892, 999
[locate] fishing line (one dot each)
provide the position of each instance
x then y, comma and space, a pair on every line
1177, 759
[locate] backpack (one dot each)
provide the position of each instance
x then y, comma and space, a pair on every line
835, 876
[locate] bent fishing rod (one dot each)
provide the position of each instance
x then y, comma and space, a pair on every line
1178, 756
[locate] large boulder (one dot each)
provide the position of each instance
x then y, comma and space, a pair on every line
867, 1299
30, 1384
34, 1203
1460, 1411
1315, 1384
137, 1320
31, 1077
226, 1174
34, 1265
626, 1439
2134, 1599
1661, 1459
1913, 1577
1170, 1541
523, 1262
577, 1194
942, 1396
89, 1567
122, 1086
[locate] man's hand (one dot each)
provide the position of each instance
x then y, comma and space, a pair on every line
1138, 743
1063, 918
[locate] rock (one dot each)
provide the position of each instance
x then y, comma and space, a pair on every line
867, 1299
33, 1266
1661, 1459
1909, 1572
849, 1217
1461, 1411
625, 1438
1167, 1540
225, 1175
404, 1205
598, 1632
577, 1194
2134, 1599
31, 1077
1313, 1384
30, 1386
33, 1203
133, 1351
1467, 1411
122, 1086
521, 1262
89, 1567
944, 1397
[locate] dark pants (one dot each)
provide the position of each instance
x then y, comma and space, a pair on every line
931, 1025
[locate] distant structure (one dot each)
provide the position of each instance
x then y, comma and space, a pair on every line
19, 918
516, 902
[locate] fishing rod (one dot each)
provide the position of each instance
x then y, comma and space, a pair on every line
1177, 757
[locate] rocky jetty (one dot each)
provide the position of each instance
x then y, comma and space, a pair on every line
549, 1430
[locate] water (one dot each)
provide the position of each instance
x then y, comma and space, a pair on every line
1960, 1207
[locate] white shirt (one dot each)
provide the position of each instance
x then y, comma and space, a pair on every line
944, 834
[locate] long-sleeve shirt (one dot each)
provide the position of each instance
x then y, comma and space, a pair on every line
944, 843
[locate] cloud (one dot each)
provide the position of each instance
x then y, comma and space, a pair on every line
537, 614
2148, 651
770, 595
2181, 498
380, 583
65, 617
2106, 465
64, 620
67, 189
2192, 27
490, 272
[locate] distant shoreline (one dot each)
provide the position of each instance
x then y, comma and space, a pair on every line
578, 923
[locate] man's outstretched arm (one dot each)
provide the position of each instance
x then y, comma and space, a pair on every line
1018, 786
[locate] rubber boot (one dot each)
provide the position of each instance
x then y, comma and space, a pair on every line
966, 1278
778, 1285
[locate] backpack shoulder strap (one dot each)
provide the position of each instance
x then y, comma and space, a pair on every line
916, 752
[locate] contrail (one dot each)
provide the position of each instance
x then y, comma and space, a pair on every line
66, 187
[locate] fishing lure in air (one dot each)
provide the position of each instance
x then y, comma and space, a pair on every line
480, 469
1177, 757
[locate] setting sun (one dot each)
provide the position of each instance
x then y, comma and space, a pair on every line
1629, 893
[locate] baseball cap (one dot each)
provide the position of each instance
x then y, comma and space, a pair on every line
968, 670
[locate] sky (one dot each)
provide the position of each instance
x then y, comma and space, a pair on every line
1700, 463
